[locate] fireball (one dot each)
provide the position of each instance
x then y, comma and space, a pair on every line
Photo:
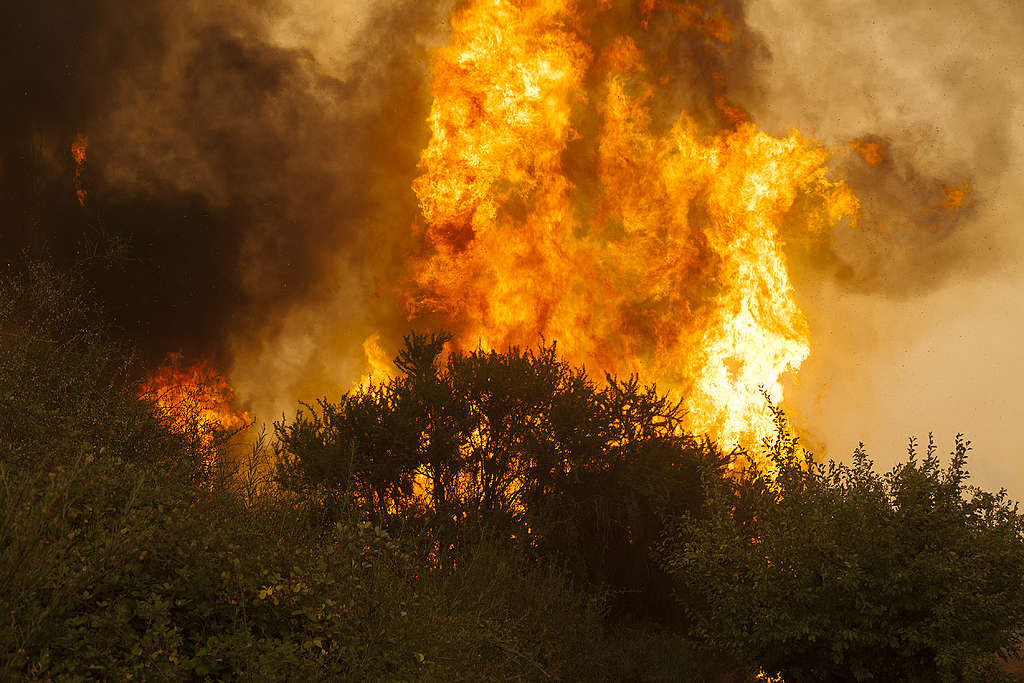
661, 252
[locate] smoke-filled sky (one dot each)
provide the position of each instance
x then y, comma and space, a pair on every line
249, 170
939, 350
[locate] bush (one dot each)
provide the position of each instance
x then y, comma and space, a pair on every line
823, 571
110, 573
428, 524
117, 565
65, 389
514, 445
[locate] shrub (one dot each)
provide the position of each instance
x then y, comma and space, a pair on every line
116, 565
65, 388
514, 445
823, 571
112, 573
427, 524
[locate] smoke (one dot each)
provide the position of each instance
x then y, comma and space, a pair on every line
914, 315
250, 163
247, 175
934, 84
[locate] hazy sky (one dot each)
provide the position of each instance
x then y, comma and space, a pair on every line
943, 81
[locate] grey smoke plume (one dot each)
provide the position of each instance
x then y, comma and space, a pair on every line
246, 160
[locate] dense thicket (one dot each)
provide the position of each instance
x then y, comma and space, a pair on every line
826, 571
119, 560
519, 446
485, 516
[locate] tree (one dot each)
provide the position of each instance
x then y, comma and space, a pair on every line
823, 571
515, 444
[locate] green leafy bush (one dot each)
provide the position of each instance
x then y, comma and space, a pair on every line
824, 571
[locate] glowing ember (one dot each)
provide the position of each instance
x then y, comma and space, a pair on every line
670, 265
196, 399
954, 196
78, 153
874, 152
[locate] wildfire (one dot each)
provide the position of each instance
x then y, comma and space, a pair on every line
196, 399
663, 256
873, 151
378, 359
79, 147
954, 196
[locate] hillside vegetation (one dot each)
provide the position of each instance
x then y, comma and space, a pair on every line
481, 516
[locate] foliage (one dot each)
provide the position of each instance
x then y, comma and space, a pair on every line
825, 571
66, 390
427, 524
116, 565
515, 445
115, 574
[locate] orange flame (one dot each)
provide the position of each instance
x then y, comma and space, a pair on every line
672, 266
874, 152
195, 398
78, 152
954, 196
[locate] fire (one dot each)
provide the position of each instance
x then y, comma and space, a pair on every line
663, 257
79, 147
378, 359
196, 399
875, 152
954, 196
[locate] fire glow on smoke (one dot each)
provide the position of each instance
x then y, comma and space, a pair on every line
559, 200
674, 269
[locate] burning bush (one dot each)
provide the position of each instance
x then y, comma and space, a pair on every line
817, 571
486, 473
66, 389
116, 566
519, 443
197, 403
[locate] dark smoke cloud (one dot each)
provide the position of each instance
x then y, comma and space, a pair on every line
232, 176
909, 238
698, 52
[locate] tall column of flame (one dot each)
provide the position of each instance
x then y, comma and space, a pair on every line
674, 269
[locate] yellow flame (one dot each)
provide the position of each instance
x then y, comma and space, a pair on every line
378, 361
670, 265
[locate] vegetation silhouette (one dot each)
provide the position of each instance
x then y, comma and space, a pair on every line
517, 446
483, 515
832, 571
